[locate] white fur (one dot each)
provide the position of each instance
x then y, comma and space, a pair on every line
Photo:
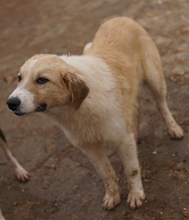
27, 99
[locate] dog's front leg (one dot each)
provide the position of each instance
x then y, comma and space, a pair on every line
128, 154
99, 159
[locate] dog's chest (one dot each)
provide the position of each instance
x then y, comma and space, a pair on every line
91, 127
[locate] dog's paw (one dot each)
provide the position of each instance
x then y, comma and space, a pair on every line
176, 132
22, 174
135, 198
110, 201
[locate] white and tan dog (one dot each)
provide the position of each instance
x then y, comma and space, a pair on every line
93, 98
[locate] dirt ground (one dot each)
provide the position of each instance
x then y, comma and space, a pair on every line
64, 184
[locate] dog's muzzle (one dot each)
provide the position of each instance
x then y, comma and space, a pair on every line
42, 107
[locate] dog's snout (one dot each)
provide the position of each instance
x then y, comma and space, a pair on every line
13, 103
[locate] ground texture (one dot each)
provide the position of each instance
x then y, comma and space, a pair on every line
64, 184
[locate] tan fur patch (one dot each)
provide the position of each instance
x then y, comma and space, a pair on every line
77, 88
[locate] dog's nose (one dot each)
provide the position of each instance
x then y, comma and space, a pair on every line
13, 103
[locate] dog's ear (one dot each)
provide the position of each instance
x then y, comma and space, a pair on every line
78, 90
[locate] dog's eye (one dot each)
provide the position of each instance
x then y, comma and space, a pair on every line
41, 80
19, 78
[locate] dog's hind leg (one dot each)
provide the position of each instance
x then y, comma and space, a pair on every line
21, 173
97, 156
153, 76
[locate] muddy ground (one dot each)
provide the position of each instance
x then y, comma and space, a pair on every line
64, 184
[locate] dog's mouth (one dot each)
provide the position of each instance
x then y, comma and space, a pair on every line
41, 107
19, 113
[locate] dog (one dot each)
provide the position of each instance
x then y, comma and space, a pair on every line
93, 98
21, 173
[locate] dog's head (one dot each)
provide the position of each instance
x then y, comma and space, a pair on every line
46, 81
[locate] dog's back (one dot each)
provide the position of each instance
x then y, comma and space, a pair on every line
123, 44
